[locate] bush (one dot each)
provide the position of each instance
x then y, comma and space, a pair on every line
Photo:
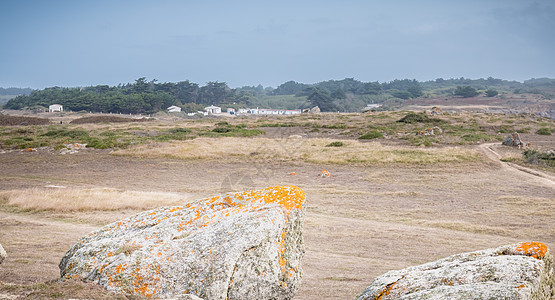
544, 131
180, 130
412, 118
335, 144
221, 129
371, 135
540, 158
492, 93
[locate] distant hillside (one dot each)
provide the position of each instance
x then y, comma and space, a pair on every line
14, 91
9, 93
346, 95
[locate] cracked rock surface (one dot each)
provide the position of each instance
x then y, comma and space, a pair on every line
3, 254
518, 271
245, 245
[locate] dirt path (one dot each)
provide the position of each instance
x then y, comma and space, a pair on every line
490, 152
35, 245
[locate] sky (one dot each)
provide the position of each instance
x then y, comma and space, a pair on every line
245, 43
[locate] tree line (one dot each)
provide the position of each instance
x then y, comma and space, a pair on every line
349, 94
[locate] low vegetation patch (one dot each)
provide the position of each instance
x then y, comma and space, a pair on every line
371, 135
106, 119
544, 131
413, 118
335, 144
6, 120
537, 157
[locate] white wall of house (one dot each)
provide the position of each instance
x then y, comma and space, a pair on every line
174, 108
55, 107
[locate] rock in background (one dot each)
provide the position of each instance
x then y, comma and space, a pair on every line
3, 254
519, 271
246, 245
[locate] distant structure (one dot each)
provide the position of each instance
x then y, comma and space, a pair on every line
213, 110
55, 108
268, 111
370, 107
174, 108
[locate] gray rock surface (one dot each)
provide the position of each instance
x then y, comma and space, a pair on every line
246, 245
3, 254
519, 271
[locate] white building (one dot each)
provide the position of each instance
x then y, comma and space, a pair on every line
174, 108
213, 109
55, 107
231, 110
268, 111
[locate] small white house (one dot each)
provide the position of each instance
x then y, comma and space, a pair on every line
174, 108
213, 109
231, 110
55, 107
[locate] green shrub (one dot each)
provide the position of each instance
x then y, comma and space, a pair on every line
74, 133
221, 129
371, 135
412, 118
335, 144
540, 158
544, 131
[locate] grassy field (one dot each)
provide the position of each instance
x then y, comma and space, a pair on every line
393, 201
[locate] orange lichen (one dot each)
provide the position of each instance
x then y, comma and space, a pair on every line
533, 249
386, 291
193, 216
520, 287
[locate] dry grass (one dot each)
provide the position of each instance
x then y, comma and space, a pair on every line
310, 150
73, 199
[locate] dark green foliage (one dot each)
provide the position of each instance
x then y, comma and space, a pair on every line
335, 144
465, 91
540, 158
413, 118
349, 95
221, 129
323, 100
401, 94
338, 94
544, 131
492, 93
371, 135
180, 130
289, 88
72, 133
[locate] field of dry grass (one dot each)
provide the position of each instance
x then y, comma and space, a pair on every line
293, 149
61, 199
387, 205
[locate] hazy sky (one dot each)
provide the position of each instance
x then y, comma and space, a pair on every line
80, 43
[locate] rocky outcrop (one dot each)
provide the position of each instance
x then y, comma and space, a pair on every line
3, 254
519, 271
246, 245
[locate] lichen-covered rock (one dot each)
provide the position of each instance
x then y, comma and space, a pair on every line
519, 271
245, 245
3, 254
